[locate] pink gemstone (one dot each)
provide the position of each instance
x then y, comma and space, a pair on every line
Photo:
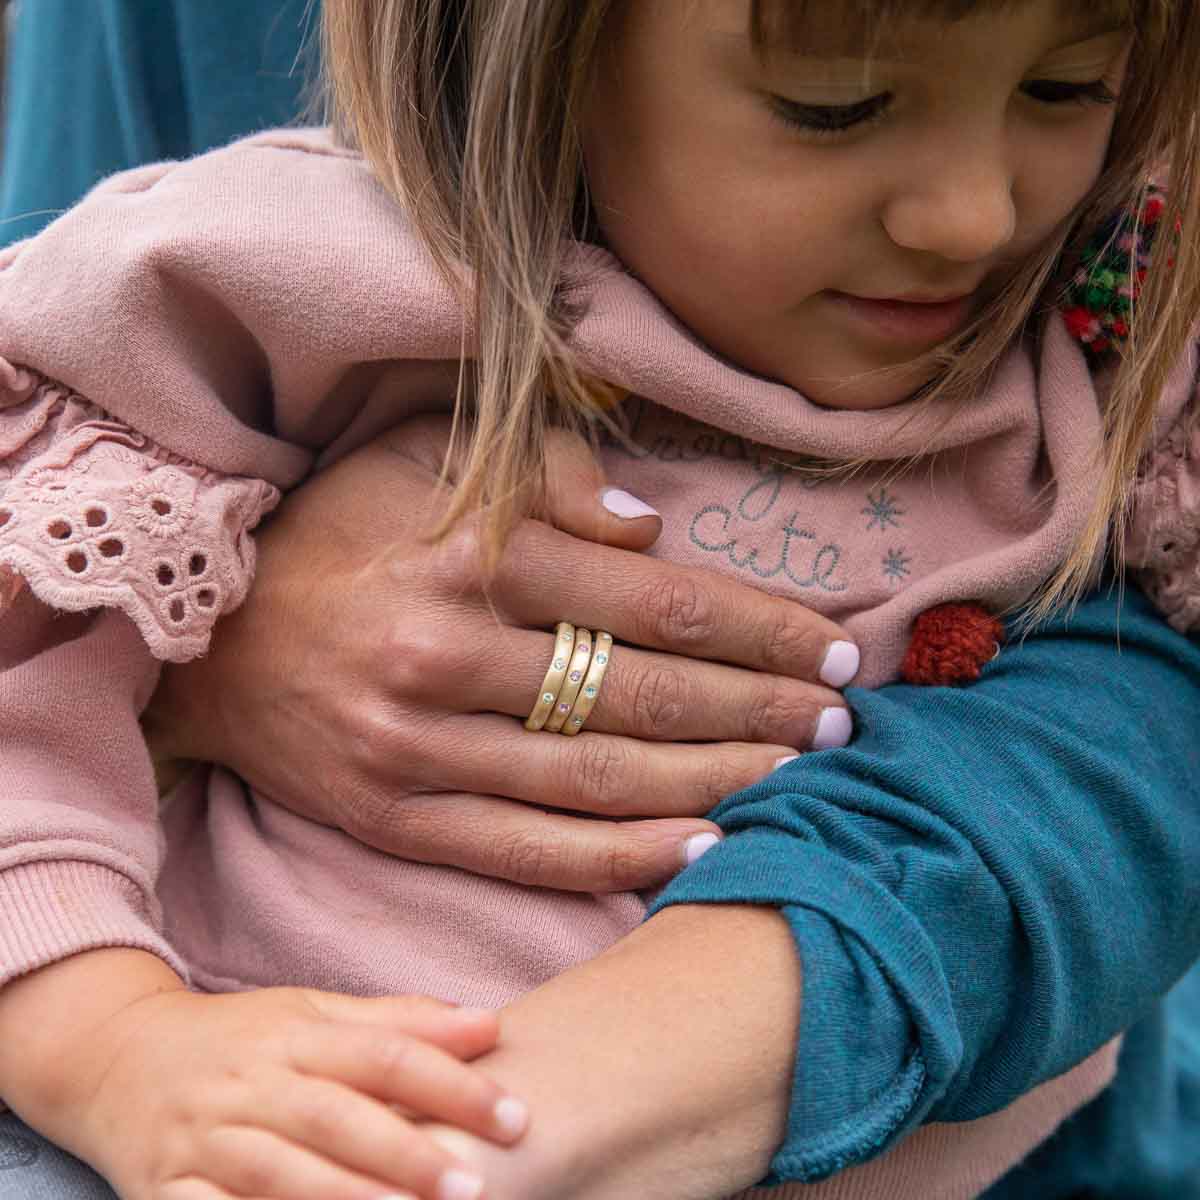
564, 708
576, 676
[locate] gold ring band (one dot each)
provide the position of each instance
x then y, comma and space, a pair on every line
581, 657
564, 640
588, 694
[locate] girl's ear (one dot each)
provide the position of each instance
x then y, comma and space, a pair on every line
578, 502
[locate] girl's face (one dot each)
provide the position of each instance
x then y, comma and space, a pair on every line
953, 155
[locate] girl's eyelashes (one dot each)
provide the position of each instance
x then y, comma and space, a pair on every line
831, 120
828, 121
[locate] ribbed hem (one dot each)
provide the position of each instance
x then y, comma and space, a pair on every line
961, 1160
58, 908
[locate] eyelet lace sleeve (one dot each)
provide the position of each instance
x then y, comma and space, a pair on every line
1163, 540
94, 514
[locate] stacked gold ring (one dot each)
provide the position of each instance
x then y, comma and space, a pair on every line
572, 681
586, 700
581, 656
564, 639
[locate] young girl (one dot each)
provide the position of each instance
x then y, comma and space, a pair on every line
137, 495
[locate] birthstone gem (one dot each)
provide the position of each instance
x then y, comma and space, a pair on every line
602, 658
576, 676
559, 663
564, 708
576, 720
548, 697
589, 691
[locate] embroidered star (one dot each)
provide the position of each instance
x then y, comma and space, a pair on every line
895, 565
884, 510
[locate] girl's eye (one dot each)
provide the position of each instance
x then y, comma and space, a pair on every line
829, 121
1051, 91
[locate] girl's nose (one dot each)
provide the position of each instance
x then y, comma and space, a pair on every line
960, 210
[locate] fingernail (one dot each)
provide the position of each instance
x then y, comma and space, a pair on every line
457, 1184
833, 729
840, 665
511, 1116
787, 758
622, 504
473, 1014
702, 843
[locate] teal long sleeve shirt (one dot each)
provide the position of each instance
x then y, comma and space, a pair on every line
984, 886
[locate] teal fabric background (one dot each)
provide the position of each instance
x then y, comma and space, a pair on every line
95, 86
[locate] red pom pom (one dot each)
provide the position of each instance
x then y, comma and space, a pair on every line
1079, 321
950, 644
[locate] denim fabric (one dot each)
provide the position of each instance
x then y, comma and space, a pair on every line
32, 1168
985, 886
97, 86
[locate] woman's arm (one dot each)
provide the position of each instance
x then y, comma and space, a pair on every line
984, 888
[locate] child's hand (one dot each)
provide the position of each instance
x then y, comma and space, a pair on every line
291, 1094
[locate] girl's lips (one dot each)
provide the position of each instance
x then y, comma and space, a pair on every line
906, 321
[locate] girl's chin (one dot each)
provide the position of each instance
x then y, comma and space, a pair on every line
867, 393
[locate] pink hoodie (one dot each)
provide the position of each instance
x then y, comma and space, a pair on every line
196, 337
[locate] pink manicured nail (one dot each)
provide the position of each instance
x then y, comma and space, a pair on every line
833, 729
511, 1116
457, 1184
787, 758
622, 504
840, 665
695, 846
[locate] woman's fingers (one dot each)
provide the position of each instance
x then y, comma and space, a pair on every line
547, 576
660, 697
594, 773
578, 502
527, 846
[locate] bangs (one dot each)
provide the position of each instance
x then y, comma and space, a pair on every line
857, 28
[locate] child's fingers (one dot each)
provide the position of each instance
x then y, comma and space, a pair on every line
414, 1074
354, 1132
249, 1161
464, 1032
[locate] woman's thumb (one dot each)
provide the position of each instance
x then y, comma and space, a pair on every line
579, 502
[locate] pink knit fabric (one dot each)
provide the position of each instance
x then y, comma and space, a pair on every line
1164, 534
264, 309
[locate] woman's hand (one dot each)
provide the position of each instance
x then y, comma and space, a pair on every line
372, 682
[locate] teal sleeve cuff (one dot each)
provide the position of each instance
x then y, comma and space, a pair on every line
985, 886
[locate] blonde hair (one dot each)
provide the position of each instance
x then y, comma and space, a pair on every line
468, 112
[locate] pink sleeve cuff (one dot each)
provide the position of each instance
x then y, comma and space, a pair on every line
1163, 538
53, 909
94, 514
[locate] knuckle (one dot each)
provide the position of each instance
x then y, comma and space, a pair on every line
676, 610
726, 772
624, 864
419, 658
390, 1058
791, 646
524, 857
456, 562
599, 774
321, 1117
658, 699
386, 738
774, 708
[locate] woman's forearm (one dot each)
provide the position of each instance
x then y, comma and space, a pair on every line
661, 1068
